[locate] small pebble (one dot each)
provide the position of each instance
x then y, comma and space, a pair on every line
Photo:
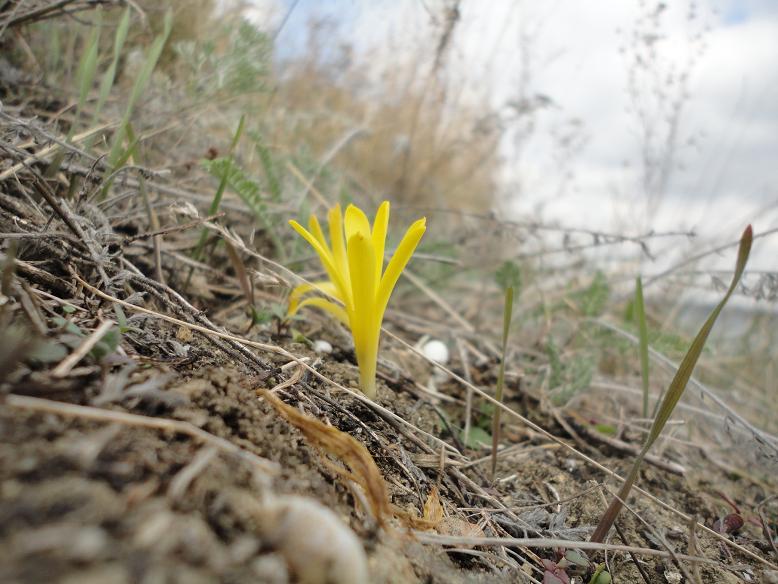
321, 346
436, 351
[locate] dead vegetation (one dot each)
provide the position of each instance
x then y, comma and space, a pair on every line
160, 419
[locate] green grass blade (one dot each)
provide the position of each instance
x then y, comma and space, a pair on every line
674, 391
87, 68
678, 384
507, 315
269, 166
152, 57
640, 309
106, 83
85, 75
217, 197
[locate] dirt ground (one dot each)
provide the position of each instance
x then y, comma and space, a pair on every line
90, 501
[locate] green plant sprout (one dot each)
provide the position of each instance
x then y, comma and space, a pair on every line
354, 264
674, 392
506, 328
217, 197
117, 157
85, 74
508, 278
640, 313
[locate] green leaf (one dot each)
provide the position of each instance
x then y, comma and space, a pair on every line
606, 429
555, 377
640, 312
674, 391
152, 57
600, 576
478, 438
269, 166
106, 83
678, 384
507, 315
298, 337
223, 182
107, 344
49, 352
67, 326
87, 67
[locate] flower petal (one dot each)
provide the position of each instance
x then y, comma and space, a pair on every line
298, 292
380, 226
315, 228
361, 259
364, 321
356, 222
334, 309
326, 260
397, 264
335, 220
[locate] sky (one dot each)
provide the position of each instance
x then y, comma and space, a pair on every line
573, 60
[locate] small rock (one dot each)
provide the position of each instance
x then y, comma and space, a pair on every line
673, 577
322, 346
436, 351
271, 568
317, 546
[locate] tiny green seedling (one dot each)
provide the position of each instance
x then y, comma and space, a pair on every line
674, 392
640, 313
506, 328
217, 197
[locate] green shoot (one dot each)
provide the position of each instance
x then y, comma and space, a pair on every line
152, 57
87, 68
506, 327
250, 192
269, 166
85, 75
217, 197
674, 392
107, 81
640, 313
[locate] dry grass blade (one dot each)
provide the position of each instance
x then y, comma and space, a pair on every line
67, 364
343, 447
548, 543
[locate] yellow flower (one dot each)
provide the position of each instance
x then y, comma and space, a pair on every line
354, 263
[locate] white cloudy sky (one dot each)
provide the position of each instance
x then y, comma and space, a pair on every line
729, 173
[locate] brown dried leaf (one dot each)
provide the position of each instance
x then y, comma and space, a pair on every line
433, 510
460, 528
343, 447
184, 334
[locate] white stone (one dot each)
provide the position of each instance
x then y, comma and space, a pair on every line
321, 346
436, 351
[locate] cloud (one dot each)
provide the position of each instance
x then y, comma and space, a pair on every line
578, 55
